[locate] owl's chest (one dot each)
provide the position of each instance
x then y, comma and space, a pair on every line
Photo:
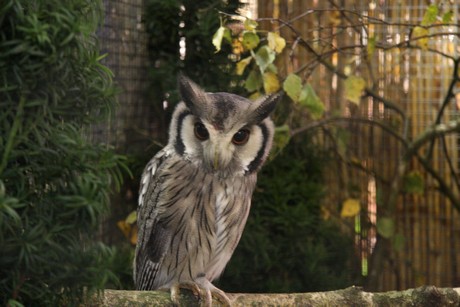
205, 216
205, 204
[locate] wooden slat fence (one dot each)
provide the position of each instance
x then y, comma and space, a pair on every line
428, 226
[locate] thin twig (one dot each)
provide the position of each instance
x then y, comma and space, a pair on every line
450, 94
335, 120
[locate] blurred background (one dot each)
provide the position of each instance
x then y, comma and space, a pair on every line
365, 192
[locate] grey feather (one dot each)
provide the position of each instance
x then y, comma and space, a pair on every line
195, 194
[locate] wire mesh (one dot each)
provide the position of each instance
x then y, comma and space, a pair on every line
124, 41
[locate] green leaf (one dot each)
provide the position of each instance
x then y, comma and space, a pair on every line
447, 17
218, 36
398, 242
354, 87
276, 42
386, 227
254, 81
311, 102
371, 46
430, 15
14, 303
250, 40
343, 140
293, 86
264, 57
272, 67
280, 140
414, 183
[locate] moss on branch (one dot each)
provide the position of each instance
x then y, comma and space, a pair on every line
352, 296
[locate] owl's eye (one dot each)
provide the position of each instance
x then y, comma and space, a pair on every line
201, 132
241, 137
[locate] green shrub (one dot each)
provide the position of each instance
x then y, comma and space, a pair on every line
168, 22
287, 246
54, 184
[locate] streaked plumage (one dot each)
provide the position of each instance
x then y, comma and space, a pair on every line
196, 192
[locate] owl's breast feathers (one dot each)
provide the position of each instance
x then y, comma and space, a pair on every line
190, 221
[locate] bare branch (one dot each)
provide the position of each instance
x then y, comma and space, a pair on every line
450, 94
335, 120
431, 134
443, 186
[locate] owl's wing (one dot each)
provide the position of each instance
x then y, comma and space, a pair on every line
152, 236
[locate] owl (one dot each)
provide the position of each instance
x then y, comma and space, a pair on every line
195, 193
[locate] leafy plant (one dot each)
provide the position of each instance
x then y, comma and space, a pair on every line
346, 45
54, 184
180, 39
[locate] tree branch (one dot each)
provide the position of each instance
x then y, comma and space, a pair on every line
353, 296
445, 103
334, 120
443, 186
431, 134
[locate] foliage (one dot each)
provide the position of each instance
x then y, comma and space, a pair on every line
180, 39
287, 246
54, 184
348, 47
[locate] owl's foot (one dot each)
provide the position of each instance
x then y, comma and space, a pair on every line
202, 288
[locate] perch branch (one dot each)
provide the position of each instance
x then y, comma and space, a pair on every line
352, 296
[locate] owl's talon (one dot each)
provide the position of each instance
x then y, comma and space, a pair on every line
221, 296
201, 288
175, 291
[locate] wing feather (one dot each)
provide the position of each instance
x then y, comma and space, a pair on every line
152, 236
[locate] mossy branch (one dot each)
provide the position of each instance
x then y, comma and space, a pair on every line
352, 296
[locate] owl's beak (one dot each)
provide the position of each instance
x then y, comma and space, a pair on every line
215, 164
217, 158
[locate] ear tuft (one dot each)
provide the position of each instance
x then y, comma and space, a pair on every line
263, 107
191, 93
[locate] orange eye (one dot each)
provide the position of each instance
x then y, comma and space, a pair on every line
201, 132
241, 137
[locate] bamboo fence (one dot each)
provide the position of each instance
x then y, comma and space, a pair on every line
427, 225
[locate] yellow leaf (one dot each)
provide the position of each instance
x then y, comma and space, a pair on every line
335, 18
237, 46
254, 96
354, 87
124, 227
241, 65
350, 207
133, 237
276, 42
419, 35
271, 82
128, 230
250, 25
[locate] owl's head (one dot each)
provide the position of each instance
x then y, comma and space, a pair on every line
221, 132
